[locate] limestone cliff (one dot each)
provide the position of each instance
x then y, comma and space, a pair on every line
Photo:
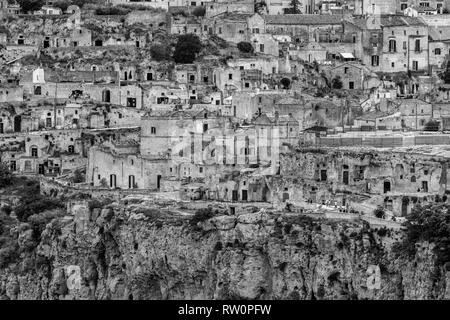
131, 251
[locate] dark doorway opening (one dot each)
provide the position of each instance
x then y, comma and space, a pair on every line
386, 186
106, 96
244, 195
405, 203
345, 177
323, 175
17, 123
131, 102
425, 186
158, 181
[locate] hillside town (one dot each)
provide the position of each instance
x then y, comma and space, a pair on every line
328, 107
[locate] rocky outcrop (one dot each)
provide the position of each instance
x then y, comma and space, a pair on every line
122, 252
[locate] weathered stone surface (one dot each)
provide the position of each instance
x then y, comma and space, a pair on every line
233, 257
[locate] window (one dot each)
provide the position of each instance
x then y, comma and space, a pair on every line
255, 30
241, 31
153, 130
392, 46
261, 48
375, 61
392, 64
437, 51
230, 76
345, 70
415, 65
404, 45
220, 30
34, 151
71, 149
417, 45
403, 6
351, 85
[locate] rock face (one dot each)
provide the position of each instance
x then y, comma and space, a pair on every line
123, 255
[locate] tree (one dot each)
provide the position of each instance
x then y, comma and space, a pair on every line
432, 125
5, 175
245, 47
446, 74
159, 52
199, 11
28, 6
187, 48
104, 183
336, 83
35, 203
295, 7
430, 223
78, 176
285, 82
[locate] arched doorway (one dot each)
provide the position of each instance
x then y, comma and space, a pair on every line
386, 186
106, 95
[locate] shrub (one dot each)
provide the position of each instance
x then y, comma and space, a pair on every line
78, 176
159, 52
336, 83
432, 125
104, 183
245, 47
6, 209
35, 203
28, 6
187, 48
379, 212
202, 215
285, 82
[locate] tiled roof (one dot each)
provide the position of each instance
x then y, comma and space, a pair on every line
303, 19
234, 16
398, 20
